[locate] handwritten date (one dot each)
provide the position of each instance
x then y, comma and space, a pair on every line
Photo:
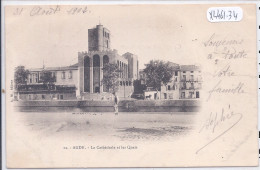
35, 11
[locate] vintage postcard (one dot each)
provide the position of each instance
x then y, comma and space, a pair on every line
131, 85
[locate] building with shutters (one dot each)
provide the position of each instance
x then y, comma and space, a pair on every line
186, 83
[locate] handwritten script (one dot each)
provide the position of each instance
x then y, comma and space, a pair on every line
35, 11
221, 88
225, 53
217, 119
225, 50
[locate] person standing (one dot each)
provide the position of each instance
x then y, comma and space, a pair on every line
116, 101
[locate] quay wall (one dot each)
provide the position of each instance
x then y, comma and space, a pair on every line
124, 105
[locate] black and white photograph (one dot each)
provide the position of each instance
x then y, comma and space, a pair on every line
130, 85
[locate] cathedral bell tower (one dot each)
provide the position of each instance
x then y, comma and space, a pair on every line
98, 39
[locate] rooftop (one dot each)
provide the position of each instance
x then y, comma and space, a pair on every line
71, 67
189, 67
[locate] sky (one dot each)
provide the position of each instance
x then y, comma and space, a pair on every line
151, 32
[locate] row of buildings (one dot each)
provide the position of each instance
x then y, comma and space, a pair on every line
186, 83
83, 80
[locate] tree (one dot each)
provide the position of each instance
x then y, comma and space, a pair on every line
111, 77
20, 76
47, 77
158, 72
138, 87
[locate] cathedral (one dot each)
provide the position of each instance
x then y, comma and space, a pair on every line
83, 80
91, 62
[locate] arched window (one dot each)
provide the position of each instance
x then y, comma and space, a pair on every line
86, 74
96, 73
105, 59
86, 61
96, 61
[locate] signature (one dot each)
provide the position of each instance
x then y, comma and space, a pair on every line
217, 119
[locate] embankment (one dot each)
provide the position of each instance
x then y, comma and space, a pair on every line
124, 105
